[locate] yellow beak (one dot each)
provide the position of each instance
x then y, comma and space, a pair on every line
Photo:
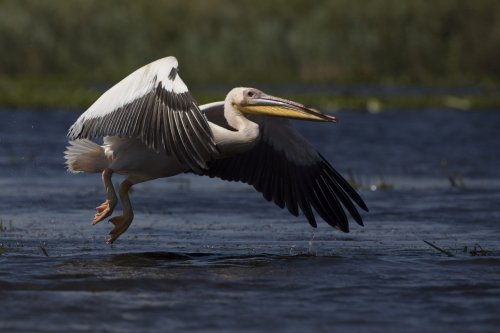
278, 107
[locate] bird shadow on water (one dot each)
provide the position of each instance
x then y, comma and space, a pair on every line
172, 271
193, 259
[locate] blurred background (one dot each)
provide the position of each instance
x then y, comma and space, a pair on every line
206, 255
336, 53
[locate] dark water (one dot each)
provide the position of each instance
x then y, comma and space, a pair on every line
205, 255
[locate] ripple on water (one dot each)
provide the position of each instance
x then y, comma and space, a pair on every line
204, 255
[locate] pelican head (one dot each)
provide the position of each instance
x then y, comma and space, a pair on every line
251, 101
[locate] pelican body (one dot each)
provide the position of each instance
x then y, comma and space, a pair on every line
152, 128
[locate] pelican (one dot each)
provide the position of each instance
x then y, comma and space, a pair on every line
151, 128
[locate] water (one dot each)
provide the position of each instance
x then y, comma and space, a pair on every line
206, 255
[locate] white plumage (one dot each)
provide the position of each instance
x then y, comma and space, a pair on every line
152, 128
137, 85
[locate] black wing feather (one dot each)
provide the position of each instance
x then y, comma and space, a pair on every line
288, 183
162, 120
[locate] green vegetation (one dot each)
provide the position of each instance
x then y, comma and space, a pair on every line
456, 180
476, 251
64, 53
3, 227
43, 247
439, 249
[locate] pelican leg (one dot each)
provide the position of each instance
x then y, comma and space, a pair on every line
106, 208
122, 222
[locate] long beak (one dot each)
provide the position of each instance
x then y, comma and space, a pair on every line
278, 107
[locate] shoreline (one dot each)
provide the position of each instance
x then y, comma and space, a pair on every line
49, 93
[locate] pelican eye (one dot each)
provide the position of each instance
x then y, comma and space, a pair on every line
250, 94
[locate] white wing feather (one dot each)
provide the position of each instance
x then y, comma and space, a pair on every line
153, 105
137, 85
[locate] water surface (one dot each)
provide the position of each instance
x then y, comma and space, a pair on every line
207, 255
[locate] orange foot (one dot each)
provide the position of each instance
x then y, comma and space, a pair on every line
121, 224
102, 211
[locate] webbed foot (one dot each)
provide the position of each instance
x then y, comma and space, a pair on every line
102, 211
121, 224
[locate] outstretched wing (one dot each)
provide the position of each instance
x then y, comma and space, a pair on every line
286, 169
154, 105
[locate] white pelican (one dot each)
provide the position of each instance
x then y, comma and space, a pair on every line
152, 128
